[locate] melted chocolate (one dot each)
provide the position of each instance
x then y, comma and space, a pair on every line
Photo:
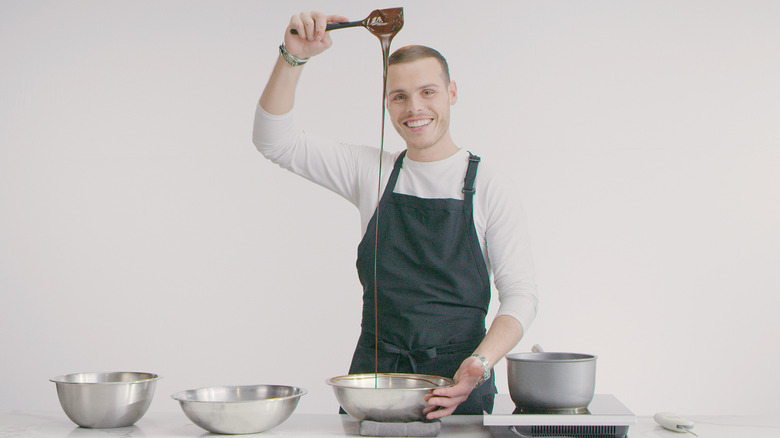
384, 24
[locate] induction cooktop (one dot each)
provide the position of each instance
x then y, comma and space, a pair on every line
605, 417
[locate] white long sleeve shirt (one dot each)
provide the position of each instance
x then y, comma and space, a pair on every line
352, 171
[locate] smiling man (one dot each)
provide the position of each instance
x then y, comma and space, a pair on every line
419, 97
447, 222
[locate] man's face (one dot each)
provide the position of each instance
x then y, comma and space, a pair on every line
418, 100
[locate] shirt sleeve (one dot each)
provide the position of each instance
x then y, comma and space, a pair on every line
509, 254
330, 164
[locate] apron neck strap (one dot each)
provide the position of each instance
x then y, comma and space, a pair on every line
468, 182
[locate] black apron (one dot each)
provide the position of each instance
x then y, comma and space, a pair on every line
433, 287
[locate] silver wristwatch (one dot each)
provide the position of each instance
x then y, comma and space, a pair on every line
485, 368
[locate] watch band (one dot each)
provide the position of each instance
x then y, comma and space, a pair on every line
485, 368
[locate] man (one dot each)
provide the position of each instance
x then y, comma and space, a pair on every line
443, 225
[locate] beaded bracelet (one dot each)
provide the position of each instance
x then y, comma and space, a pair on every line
293, 61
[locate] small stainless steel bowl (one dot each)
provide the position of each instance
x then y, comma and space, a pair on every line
105, 400
239, 409
397, 398
551, 381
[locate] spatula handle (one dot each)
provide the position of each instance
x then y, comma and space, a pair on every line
332, 26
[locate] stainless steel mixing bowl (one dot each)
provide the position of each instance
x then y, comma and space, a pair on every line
239, 409
104, 400
551, 381
396, 398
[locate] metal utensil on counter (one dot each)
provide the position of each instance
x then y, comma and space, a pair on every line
386, 397
551, 382
380, 21
105, 400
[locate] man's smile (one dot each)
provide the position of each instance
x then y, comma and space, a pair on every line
417, 123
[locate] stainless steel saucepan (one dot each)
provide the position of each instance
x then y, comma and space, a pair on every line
540, 381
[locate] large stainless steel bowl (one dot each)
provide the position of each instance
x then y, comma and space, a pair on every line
551, 381
104, 400
239, 409
386, 397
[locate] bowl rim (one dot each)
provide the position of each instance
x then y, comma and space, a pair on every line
178, 396
334, 381
62, 378
549, 357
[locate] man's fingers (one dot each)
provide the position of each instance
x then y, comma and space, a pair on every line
439, 413
319, 24
446, 402
337, 19
442, 406
461, 388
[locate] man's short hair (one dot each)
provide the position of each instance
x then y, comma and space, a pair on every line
413, 53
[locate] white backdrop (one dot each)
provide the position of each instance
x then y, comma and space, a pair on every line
140, 230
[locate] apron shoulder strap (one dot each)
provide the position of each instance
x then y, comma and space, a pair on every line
393, 178
471, 175
399, 162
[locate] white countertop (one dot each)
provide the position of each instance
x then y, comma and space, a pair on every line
15, 424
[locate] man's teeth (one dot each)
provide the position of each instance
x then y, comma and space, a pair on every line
418, 123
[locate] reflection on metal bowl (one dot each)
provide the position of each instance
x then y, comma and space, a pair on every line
105, 400
385, 397
239, 409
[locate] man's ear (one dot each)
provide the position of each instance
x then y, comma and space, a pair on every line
452, 89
